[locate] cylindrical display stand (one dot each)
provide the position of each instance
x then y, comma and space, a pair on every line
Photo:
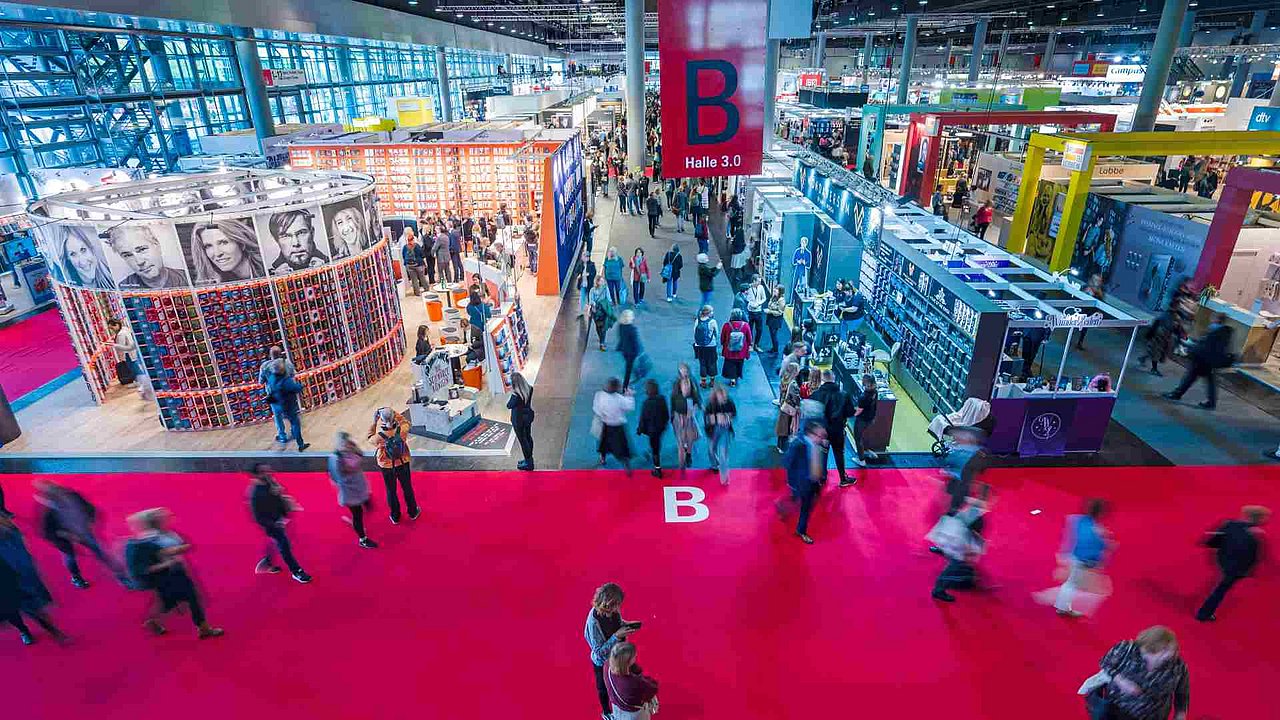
210, 271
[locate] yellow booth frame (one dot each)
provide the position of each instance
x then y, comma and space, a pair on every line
1080, 152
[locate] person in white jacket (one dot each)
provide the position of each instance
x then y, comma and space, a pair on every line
756, 297
611, 407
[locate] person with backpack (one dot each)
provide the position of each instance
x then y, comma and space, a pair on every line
271, 508
672, 263
706, 334
707, 276
390, 436
702, 234
1236, 544
600, 309
156, 558
347, 474
1209, 354
736, 340
282, 390
680, 206
68, 520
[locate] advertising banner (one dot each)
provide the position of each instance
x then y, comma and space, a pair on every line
1045, 428
713, 56
1155, 252
145, 256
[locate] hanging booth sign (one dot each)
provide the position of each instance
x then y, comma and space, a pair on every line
1075, 156
712, 92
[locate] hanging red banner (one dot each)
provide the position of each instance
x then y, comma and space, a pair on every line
712, 54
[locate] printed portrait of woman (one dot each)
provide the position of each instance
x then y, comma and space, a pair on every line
347, 233
78, 253
222, 251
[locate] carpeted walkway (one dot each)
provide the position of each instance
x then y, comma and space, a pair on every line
34, 352
476, 610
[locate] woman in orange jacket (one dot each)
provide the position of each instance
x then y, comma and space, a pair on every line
390, 436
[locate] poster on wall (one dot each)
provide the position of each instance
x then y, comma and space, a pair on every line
1100, 227
712, 54
347, 227
373, 215
145, 256
820, 250
225, 250
1040, 230
292, 240
1155, 252
76, 256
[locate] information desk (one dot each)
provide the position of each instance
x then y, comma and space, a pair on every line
848, 372
1048, 423
440, 406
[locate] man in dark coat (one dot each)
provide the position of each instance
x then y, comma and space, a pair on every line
1210, 353
1237, 543
836, 410
67, 521
21, 589
805, 462
270, 508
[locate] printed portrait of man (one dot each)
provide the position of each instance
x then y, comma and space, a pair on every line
143, 265
293, 242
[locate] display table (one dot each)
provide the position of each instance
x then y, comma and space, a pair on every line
1045, 423
1251, 340
440, 406
849, 376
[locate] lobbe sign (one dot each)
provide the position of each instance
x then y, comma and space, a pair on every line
712, 54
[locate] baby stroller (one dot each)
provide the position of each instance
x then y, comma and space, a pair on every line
973, 413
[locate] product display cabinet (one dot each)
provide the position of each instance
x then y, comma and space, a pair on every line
247, 260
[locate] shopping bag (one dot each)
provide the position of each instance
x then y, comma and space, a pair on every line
644, 365
125, 372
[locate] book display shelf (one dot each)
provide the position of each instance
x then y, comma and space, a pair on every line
209, 272
507, 351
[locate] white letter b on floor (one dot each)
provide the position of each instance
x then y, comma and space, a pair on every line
674, 498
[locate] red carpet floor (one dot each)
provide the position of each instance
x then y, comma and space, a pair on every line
33, 352
476, 610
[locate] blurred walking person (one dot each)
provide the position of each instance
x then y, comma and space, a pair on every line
1142, 679
1085, 544
719, 417
67, 521
1236, 544
611, 407
685, 400
1209, 354
271, 508
22, 592
654, 417
346, 471
156, 560
631, 349
390, 436
706, 336
805, 462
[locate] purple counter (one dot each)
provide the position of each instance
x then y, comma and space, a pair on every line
1032, 426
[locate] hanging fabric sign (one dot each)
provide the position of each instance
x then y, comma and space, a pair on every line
712, 54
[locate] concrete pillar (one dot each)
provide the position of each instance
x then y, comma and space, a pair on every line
773, 50
908, 56
946, 63
868, 49
635, 83
979, 43
819, 55
1050, 47
1243, 67
1275, 96
1144, 120
255, 90
442, 75
1187, 30
1004, 49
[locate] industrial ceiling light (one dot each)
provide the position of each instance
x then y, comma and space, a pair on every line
413, 2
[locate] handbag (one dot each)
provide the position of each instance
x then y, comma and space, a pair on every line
1096, 690
125, 372
597, 428
666, 271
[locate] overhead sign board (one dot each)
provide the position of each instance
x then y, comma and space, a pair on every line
1126, 73
284, 78
713, 58
1075, 155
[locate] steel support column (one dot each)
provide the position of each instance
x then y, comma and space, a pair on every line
1144, 120
908, 57
773, 48
979, 40
255, 89
635, 83
446, 94
868, 50
1050, 47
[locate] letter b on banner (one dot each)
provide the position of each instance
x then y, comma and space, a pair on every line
729, 74
675, 506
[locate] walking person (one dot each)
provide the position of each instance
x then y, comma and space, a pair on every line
271, 508
624, 189
736, 340
589, 229
156, 558
680, 206
610, 407
706, 335
613, 275
415, 263
455, 251
639, 270
1142, 679
22, 591
390, 436
702, 234
346, 471
600, 309
604, 629
440, 249
707, 276
685, 400
982, 219
654, 417
757, 297
1236, 544
805, 461
1209, 354
283, 388
633, 695
68, 520
719, 417
521, 406
630, 347
787, 422
586, 280
958, 537
653, 207
773, 315
672, 264
1084, 545
836, 409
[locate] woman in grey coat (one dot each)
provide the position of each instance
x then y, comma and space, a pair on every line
347, 473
